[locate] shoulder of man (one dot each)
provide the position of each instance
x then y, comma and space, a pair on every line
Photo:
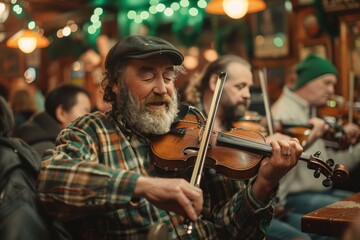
41, 127
20, 211
17, 147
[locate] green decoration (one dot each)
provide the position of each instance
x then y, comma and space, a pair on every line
152, 24
188, 28
124, 23
66, 47
225, 34
185, 27
90, 39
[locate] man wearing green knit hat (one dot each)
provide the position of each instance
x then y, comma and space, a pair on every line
315, 82
311, 68
298, 191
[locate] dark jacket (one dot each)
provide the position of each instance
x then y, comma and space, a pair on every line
39, 132
21, 216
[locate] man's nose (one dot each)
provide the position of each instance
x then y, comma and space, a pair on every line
246, 93
331, 89
160, 86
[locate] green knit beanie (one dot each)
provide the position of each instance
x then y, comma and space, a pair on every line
310, 68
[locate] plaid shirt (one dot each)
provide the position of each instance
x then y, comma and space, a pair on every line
91, 175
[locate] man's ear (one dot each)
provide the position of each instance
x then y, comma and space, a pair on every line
212, 82
115, 88
60, 114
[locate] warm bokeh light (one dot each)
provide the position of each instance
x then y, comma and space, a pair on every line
235, 8
216, 6
27, 44
210, 55
191, 62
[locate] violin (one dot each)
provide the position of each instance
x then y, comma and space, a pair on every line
251, 121
333, 111
299, 131
336, 113
236, 154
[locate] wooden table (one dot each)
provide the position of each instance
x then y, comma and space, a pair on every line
333, 219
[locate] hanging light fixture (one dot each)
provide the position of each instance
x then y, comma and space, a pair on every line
27, 40
238, 7
235, 8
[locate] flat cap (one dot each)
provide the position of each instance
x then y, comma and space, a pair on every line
142, 46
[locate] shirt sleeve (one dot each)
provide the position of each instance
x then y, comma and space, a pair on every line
236, 211
74, 182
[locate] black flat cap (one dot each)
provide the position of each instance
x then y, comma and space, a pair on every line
139, 47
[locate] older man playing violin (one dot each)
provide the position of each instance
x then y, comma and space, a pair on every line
101, 173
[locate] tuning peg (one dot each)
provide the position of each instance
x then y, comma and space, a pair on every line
327, 182
317, 173
317, 154
330, 162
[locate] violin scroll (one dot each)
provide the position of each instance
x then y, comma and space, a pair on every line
340, 173
337, 173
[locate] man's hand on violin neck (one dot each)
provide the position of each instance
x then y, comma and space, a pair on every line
352, 133
276, 136
171, 194
319, 128
285, 155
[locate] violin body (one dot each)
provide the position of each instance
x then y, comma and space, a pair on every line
299, 131
251, 121
174, 152
250, 125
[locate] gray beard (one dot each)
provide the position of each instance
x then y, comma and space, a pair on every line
148, 122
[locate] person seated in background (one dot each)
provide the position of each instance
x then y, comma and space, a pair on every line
62, 105
23, 106
314, 85
4, 92
102, 173
236, 96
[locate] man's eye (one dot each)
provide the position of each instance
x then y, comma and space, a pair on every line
240, 86
169, 78
147, 77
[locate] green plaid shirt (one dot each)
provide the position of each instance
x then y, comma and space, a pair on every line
91, 174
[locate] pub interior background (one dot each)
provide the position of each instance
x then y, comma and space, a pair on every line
73, 37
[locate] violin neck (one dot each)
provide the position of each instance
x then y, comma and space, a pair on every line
250, 145
290, 125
